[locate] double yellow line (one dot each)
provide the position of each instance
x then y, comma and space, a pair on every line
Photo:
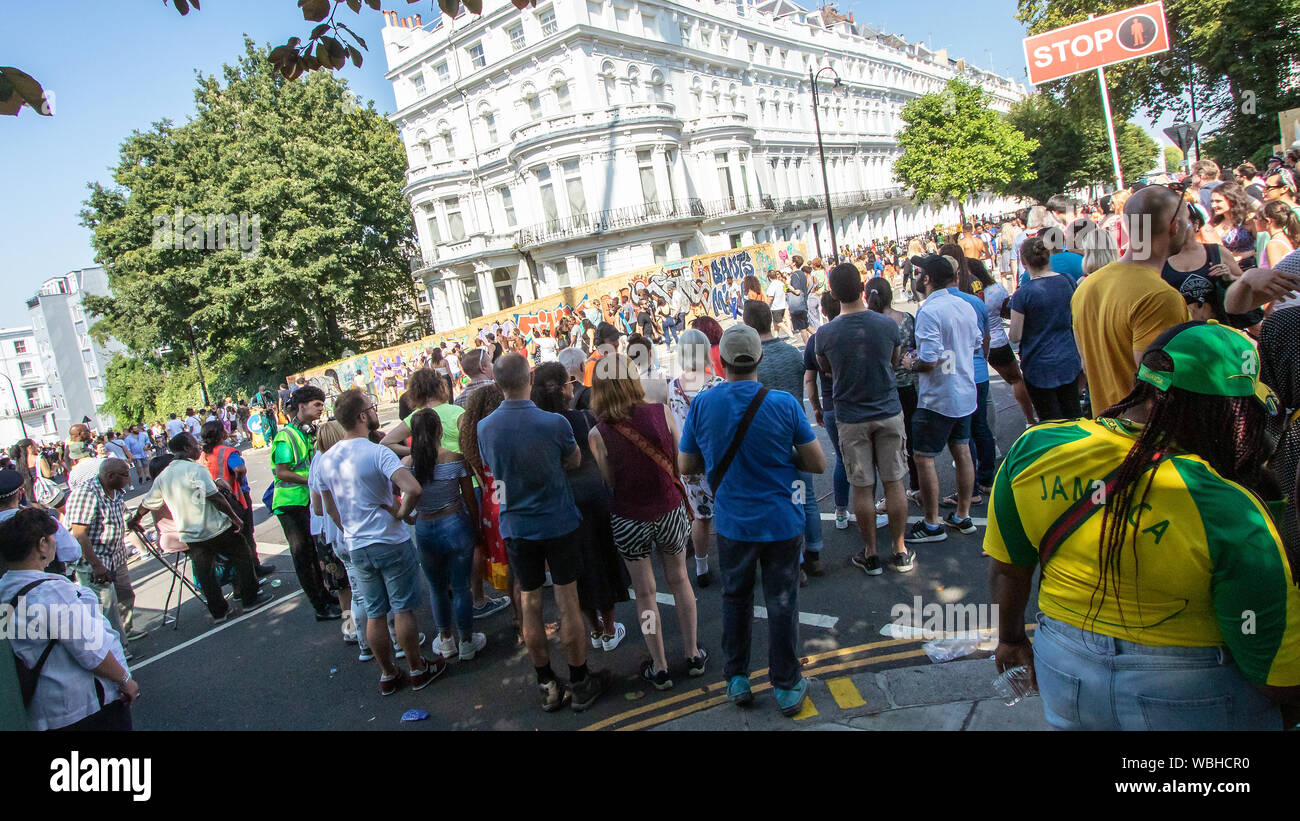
714, 694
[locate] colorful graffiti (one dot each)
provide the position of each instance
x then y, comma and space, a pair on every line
711, 270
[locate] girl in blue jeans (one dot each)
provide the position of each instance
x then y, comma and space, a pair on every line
444, 532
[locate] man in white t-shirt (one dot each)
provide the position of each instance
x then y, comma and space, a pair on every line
356, 482
173, 426
776, 300
193, 425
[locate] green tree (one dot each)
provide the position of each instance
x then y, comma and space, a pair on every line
324, 267
1238, 55
956, 146
1074, 150
1173, 158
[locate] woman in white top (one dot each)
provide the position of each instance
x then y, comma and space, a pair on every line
1001, 357
695, 379
776, 299
83, 682
546, 347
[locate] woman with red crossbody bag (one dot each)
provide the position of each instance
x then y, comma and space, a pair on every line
635, 445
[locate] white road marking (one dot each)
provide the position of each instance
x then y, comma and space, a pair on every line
215, 630
810, 619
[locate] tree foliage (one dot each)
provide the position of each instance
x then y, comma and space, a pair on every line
1173, 158
324, 178
1074, 151
956, 146
1238, 54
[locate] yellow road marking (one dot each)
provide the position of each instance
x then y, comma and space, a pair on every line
807, 710
757, 687
846, 695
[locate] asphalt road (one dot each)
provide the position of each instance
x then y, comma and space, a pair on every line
278, 668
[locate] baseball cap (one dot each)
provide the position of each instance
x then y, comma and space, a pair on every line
740, 345
935, 264
1209, 359
10, 483
1196, 288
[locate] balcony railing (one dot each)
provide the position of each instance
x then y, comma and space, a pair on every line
738, 205
599, 222
847, 199
29, 410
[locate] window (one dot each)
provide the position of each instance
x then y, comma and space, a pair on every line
724, 46
735, 240
590, 268
660, 252
573, 185
444, 76
476, 56
455, 223
24, 369
621, 18
753, 49
547, 19
33, 397
490, 124
657, 86
549, 210
686, 33
645, 164
505, 288
517, 38
724, 175
449, 144
706, 40
562, 98
418, 82
670, 162
785, 55
473, 304
508, 203
20, 346
740, 8
533, 102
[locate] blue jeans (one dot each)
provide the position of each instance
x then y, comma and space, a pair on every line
447, 554
390, 578
839, 479
737, 562
670, 331
812, 516
984, 447
1093, 682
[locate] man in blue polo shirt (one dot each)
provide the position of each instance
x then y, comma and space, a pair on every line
528, 450
983, 443
759, 508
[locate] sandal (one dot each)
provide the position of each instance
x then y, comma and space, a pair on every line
951, 501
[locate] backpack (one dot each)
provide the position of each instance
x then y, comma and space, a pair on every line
29, 677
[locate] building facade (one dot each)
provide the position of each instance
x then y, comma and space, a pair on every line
26, 401
75, 364
555, 145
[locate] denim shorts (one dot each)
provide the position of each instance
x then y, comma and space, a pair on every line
390, 578
931, 432
1089, 681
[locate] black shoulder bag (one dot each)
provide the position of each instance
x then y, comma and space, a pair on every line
715, 481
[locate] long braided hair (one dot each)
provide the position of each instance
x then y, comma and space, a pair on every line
1227, 432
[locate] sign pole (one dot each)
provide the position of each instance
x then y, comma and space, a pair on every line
1110, 128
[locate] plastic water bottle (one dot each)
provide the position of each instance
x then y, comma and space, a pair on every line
1013, 685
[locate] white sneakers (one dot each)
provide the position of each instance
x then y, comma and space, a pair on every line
614, 640
468, 649
445, 647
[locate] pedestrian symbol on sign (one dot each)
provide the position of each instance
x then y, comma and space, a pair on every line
1137, 32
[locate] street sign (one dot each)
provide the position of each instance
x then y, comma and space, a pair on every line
1183, 134
1101, 41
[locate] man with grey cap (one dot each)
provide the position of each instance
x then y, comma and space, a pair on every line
750, 443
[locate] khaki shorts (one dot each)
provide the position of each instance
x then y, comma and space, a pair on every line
871, 447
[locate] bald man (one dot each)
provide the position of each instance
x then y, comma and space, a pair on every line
95, 514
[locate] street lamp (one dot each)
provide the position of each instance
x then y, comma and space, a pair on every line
17, 408
826, 186
203, 385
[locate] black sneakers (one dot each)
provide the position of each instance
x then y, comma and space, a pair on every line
867, 564
554, 695
659, 678
965, 526
921, 532
590, 688
905, 561
695, 665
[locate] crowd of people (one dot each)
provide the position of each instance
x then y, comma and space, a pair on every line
1146, 339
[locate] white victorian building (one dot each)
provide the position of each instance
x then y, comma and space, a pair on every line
583, 138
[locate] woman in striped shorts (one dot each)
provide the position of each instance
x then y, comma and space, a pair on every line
635, 445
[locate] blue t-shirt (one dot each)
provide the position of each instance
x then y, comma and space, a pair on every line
237, 461
860, 347
982, 314
1062, 262
756, 502
1048, 355
524, 447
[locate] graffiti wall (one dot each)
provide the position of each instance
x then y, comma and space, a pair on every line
703, 279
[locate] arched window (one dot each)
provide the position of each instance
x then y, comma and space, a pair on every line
420, 148
657, 86
697, 93
607, 82
715, 98
530, 100
633, 84
733, 98
489, 120
560, 85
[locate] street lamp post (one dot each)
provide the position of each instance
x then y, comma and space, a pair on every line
826, 186
203, 385
18, 409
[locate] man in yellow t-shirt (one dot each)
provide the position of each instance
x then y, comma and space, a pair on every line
1120, 310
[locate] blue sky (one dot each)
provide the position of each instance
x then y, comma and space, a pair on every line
119, 66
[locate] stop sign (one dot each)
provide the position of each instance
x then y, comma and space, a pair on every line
1101, 41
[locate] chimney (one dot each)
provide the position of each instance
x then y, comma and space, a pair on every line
406, 22
417, 21
850, 17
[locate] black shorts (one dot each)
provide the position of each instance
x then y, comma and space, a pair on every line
799, 320
530, 559
778, 316
1002, 356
